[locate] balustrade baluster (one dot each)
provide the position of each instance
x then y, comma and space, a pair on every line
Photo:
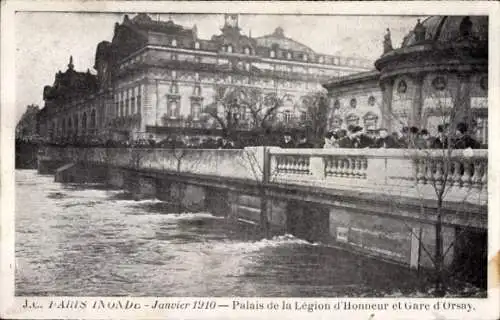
328, 166
340, 170
476, 176
358, 168
354, 167
307, 165
351, 167
420, 167
429, 175
365, 167
288, 164
484, 178
294, 165
334, 166
456, 178
466, 177
347, 171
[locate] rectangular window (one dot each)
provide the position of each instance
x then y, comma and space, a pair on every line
132, 105
196, 110
173, 109
139, 100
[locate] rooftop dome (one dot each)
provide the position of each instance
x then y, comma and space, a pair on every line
450, 29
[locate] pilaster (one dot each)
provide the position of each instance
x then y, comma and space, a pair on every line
387, 87
416, 116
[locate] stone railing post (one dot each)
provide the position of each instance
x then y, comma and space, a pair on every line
317, 167
376, 172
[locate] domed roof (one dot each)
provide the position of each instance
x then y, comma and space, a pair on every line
278, 37
450, 29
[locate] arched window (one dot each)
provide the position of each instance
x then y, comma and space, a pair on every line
84, 121
64, 127
229, 48
93, 121
352, 119
127, 102
370, 121
247, 50
272, 54
75, 121
174, 42
197, 45
304, 57
139, 99
289, 55
132, 101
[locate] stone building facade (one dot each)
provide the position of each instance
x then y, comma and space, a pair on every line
157, 77
27, 127
439, 72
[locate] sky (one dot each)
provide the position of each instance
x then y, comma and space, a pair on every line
45, 40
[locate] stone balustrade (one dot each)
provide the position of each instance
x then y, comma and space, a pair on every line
462, 175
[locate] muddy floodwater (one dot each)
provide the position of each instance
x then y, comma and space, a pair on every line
76, 240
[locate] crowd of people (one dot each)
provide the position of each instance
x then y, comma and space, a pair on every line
353, 137
408, 137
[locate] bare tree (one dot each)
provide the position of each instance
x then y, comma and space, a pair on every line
232, 105
258, 161
314, 117
437, 165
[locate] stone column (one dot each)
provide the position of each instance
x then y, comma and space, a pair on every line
386, 85
417, 103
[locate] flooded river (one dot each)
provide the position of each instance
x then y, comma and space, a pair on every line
90, 241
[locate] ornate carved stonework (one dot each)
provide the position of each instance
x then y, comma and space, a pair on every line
439, 83
371, 100
402, 87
